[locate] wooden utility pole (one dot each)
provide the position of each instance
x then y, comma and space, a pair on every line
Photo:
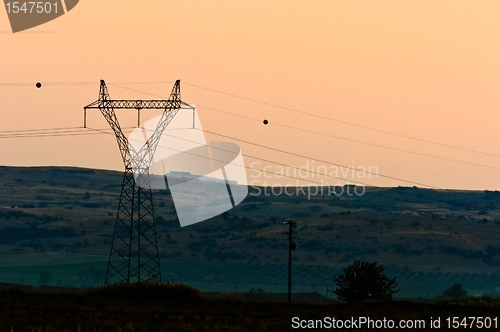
291, 246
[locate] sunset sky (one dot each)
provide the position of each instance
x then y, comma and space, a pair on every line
342, 76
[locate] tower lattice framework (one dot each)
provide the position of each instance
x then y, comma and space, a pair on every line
134, 255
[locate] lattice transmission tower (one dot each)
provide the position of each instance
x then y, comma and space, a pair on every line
134, 253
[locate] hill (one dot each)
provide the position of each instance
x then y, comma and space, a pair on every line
61, 219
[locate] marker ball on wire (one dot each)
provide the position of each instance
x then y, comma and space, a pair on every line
265, 121
38, 85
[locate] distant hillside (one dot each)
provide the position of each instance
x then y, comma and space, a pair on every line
62, 217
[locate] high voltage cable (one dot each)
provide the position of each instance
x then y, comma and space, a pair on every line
51, 135
407, 181
73, 133
329, 135
76, 134
388, 147
343, 122
321, 183
43, 132
356, 141
41, 129
297, 155
316, 275
267, 104
310, 171
320, 160
313, 274
48, 132
77, 83
48, 83
146, 93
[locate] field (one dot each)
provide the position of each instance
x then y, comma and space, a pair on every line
176, 307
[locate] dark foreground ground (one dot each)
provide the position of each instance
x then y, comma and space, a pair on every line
181, 308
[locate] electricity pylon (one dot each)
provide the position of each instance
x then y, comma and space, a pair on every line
134, 253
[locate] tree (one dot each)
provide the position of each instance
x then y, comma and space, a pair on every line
455, 291
255, 292
364, 280
90, 276
45, 278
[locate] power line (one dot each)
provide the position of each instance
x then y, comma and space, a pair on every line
102, 131
313, 172
313, 274
330, 163
309, 181
56, 132
13, 84
122, 87
40, 129
51, 135
316, 275
328, 135
322, 184
323, 161
309, 171
54, 129
298, 155
356, 141
344, 122
48, 83
387, 147
281, 107
46, 132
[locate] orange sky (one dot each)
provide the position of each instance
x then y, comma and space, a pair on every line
426, 69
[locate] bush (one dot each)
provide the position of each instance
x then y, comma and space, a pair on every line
91, 276
45, 278
364, 280
455, 291
255, 293
171, 291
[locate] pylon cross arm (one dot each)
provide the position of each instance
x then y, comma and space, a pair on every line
134, 104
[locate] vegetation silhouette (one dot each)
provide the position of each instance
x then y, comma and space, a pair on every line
178, 307
255, 293
455, 291
45, 278
91, 276
147, 290
363, 280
